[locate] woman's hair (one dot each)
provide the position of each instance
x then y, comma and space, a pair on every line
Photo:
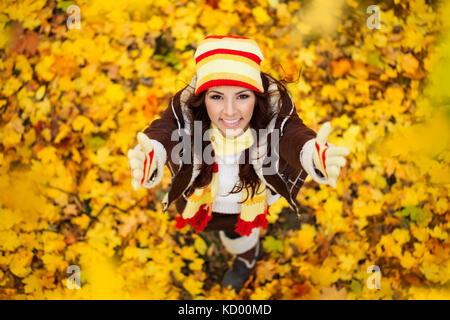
262, 115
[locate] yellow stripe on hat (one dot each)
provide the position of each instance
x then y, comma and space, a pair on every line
222, 56
230, 66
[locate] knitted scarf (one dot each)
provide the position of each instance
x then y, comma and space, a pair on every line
198, 210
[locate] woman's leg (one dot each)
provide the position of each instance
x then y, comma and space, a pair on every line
247, 249
233, 241
240, 245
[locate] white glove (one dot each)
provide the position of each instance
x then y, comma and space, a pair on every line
328, 159
142, 162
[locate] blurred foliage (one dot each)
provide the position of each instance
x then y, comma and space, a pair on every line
72, 101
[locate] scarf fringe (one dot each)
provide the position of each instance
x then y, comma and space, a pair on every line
244, 228
198, 221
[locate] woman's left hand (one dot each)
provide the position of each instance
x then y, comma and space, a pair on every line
328, 158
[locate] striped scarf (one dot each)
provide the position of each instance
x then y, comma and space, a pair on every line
198, 210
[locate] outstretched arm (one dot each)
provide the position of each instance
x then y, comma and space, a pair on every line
302, 148
148, 158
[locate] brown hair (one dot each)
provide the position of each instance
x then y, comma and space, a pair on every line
262, 114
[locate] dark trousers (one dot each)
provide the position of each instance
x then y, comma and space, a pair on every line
224, 222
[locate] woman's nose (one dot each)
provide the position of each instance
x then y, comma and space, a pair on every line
229, 109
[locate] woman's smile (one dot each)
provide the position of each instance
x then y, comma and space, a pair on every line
232, 123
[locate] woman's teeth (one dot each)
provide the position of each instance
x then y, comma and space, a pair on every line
231, 121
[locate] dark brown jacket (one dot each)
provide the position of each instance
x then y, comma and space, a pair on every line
289, 174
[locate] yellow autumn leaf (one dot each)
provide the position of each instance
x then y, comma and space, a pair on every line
11, 86
188, 253
305, 238
54, 262
40, 93
20, 264
32, 283
200, 245
261, 15
22, 64
83, 123
194, 287
324, 275
196, 265
9, 240
103, 158
401, 235
437, 232
10, 139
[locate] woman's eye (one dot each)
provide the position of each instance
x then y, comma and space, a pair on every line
242, 96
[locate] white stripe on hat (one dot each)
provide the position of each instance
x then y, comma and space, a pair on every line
229, 66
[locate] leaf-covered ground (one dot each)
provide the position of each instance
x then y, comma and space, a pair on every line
72, 101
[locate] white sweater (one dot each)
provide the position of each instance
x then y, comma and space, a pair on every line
226, 202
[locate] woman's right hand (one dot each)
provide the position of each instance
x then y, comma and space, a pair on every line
142, 161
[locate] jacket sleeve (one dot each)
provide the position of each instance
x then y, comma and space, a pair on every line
160, 134
297, 144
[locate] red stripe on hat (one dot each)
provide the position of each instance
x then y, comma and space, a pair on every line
225, 82
245, 54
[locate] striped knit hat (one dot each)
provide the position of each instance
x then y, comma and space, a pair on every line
228, 60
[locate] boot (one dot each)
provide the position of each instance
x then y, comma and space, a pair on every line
242, 267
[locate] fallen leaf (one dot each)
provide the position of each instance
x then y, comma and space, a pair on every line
331, 293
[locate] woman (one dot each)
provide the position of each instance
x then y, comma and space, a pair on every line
234, 144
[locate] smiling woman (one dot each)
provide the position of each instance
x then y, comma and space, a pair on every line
230, 108
238, 105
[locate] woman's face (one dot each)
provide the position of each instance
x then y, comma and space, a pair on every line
230, 108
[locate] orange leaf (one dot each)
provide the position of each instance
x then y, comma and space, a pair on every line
63, 66
23, 43
340, 67
410, 65
150, 108
301, 289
